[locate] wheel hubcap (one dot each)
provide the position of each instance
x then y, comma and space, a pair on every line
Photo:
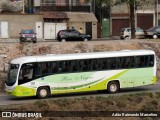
43, 93
113, 87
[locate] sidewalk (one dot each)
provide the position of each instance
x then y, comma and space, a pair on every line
15, 40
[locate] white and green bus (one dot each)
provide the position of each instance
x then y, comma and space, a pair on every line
47, 75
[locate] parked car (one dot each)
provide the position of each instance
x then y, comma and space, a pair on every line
126, 33
70, 34
153, 32
28, 35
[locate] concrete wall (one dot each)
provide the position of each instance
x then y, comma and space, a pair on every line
123, 8
18, 22
77, 25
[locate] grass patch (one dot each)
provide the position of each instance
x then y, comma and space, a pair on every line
134, 102
157, 94
148, 107
40, 103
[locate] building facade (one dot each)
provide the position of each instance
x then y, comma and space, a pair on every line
53, 15
145, 17
63, 11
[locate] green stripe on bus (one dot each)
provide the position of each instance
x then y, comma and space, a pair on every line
23, 91
76, 87
99, 86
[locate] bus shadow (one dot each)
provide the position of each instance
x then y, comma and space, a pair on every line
134, 90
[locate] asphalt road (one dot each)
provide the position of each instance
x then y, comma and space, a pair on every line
7, 100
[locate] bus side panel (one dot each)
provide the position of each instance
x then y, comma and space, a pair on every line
137, 77
80, 82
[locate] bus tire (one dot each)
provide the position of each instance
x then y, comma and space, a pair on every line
113, 87
43, 92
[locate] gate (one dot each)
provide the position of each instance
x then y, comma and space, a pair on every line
118, 25
51, 29
39, 29
4, 29
105, 27
89, 28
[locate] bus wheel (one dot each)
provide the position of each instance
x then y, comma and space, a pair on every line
113, 87
43, 92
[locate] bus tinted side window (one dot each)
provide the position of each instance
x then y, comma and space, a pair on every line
151, 61
120, 62
63, 66
128, 62
83, 65
107, 63
54, 67
104, 65
144, 61
95, 64
100, 64
73, 66
48, 68
113, 64
43, 70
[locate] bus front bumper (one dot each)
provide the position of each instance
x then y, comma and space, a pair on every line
20, 91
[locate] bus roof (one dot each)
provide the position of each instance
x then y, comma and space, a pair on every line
61, 57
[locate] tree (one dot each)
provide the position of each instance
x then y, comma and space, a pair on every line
8, 6
132, 17
101, 8
132, 4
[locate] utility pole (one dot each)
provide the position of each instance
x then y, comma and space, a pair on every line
132, 18
93, 4
156, 2
70, 5
23, 5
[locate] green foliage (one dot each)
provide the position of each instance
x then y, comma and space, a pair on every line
40, 103
158, 95
151, 95
83, 98
154, 102
101, 4
148, 107
107, 3
121, 103
8, 6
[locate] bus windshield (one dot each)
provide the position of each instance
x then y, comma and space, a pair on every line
12, 74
